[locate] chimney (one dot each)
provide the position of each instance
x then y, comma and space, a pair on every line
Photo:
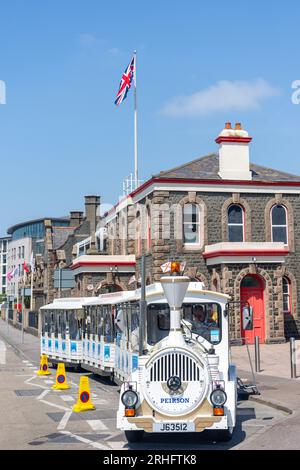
234, 163
76, 218
92, 204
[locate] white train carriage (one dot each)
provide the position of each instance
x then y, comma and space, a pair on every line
62, 327
182, 380
99, 343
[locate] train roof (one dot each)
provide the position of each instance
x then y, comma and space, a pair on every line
68, 303
154, 292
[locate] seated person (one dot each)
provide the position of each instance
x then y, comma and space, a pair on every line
200, 325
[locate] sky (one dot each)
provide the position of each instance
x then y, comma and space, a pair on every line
199, 65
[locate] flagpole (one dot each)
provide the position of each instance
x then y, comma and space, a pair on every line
136, 176
31, 290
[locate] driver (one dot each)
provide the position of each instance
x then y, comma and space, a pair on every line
200, 325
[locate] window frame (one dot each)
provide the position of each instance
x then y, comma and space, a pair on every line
229, 224
278, 226
197, 244
288, 294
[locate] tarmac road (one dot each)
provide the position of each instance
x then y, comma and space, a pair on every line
33, 416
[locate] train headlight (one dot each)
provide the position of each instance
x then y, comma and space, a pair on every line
129, 399
218, 397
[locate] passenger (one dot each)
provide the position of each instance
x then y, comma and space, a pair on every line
212, 320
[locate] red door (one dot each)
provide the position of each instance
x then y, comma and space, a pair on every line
252, 291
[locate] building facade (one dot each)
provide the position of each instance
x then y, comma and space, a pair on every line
31, 239
232, 222
3, 266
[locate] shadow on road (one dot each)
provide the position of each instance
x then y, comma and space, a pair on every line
203, 441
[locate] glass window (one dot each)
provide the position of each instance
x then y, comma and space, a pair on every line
279, 224
73, 326
191, 224
251, 281
235, 223
286, 292
205, 319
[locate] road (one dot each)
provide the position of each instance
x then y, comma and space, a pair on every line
33, 416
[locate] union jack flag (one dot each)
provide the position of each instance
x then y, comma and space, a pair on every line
125, 82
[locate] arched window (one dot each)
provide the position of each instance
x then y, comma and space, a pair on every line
191, 224
279, 224
286, 294
235, 223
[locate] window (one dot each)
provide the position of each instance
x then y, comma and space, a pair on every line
235, 223
279, 224
191, 224
286, 292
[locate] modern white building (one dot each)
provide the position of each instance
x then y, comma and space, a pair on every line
19, 251
3, 264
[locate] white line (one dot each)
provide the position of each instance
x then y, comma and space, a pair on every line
97, 445
55, 406
96, 425
28, 382
43, 394
25, 362
64, 420
67, 398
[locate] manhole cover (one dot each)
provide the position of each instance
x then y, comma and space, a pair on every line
28, 393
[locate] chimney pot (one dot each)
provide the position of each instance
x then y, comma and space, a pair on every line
228, 125
238, 126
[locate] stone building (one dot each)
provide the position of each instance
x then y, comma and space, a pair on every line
232, 222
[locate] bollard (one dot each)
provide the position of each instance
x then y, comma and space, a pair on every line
257, 354
293, 358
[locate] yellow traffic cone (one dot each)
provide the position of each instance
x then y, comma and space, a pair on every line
61, 379
84, 402
43, 366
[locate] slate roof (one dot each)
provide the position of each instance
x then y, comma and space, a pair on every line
208, 167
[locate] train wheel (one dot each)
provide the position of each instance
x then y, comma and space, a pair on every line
134, 436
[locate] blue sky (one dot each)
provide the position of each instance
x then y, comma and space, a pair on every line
61, 136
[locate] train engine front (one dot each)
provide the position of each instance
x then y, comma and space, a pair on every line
182, 384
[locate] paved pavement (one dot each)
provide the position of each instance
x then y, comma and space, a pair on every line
274, 359
33, 416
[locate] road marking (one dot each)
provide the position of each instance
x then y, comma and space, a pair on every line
49, 381
28, 382
97, 425
67, 398
116, 445
97, 445
100, 401
64, 420
43, 394
25, 362
55, 406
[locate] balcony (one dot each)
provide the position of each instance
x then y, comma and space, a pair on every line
245, 253
103, 264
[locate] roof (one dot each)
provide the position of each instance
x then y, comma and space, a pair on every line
207, 168
67, 303
13, 228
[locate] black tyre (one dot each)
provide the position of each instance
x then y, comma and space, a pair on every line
134, 436
224, 435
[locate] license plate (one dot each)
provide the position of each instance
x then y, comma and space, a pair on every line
174, 427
